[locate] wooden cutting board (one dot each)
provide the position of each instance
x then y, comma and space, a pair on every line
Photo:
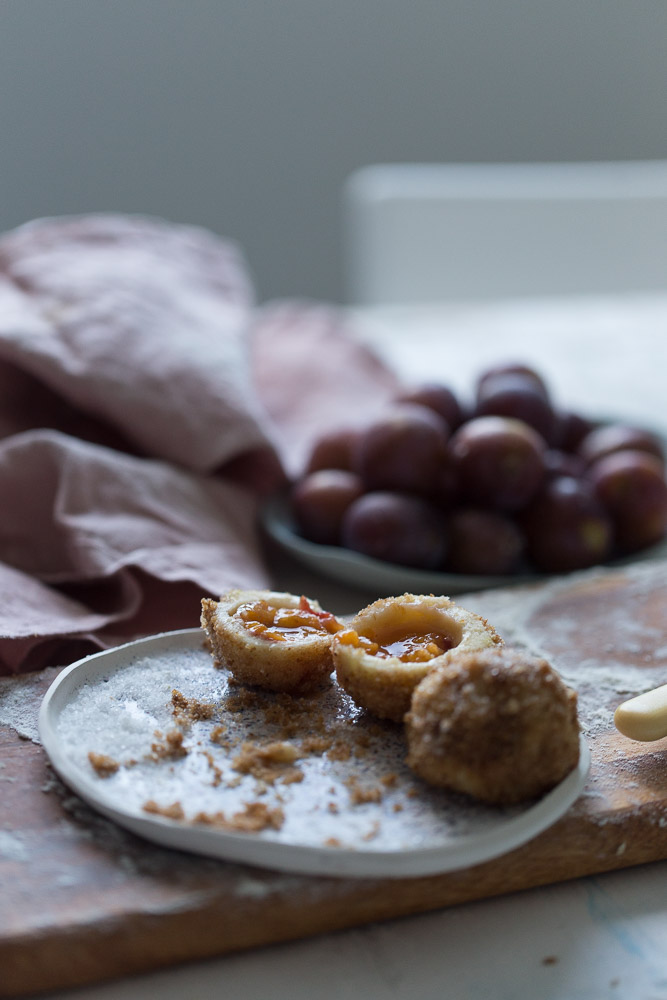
83, 901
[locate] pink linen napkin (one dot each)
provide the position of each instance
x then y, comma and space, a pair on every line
312, 376
145, 405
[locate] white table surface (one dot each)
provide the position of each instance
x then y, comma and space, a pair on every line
597, 937
599, 355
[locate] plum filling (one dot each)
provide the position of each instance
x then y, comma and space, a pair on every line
265, 621
416, 647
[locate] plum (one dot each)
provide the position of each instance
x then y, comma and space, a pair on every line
567, 527
520, 397
517, 369
483, 541
571, 429
499, 462
332, 450
402, 450
439, 398
395, 527
631, 486
319, 501
618, 437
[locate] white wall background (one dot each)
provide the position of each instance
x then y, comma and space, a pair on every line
246, 115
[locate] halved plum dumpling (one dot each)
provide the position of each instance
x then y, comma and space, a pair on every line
272, 640
392, 644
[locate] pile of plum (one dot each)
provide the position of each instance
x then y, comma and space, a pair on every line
508, 484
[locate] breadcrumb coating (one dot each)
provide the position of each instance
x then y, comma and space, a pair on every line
497, 724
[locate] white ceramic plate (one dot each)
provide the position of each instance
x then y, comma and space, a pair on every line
388, 579
350, 808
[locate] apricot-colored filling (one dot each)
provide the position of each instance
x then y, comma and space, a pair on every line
265, 621
416, 647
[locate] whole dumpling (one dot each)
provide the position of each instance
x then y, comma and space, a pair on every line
497, 724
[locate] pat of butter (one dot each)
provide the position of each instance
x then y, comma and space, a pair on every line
644, 717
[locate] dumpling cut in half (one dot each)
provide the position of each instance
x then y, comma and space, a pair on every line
390, 646
271, 640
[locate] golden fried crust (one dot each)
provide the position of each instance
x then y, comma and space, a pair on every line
384, 685
296, 666
498, 725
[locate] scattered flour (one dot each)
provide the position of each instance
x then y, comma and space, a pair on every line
13, 846
18, 707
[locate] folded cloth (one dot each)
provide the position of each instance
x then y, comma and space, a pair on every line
312, 376
131, 321
145, 406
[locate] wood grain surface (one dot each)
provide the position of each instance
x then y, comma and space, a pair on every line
83, 901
